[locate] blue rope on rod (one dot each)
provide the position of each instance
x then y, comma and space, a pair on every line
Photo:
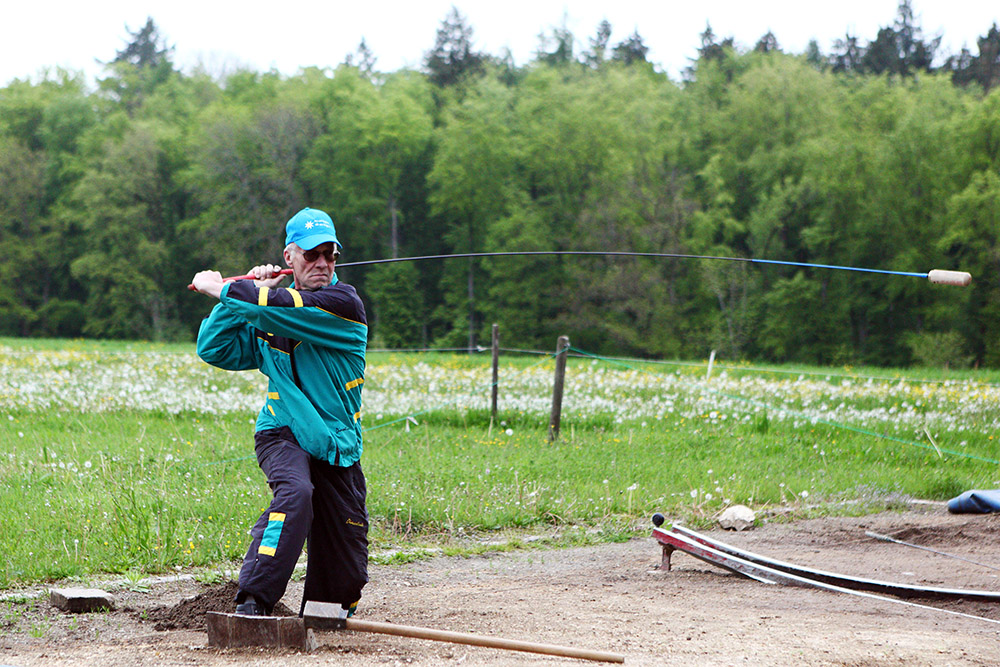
621, 253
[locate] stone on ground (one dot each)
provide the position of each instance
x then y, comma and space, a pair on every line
81, 600
737, 517
233, 630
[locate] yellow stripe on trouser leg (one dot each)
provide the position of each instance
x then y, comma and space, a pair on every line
269, 541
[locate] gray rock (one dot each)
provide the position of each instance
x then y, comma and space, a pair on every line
737, 517
81, 600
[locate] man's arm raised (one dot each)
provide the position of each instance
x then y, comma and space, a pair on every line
212, 282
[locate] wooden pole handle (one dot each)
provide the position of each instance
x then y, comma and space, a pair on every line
480, 640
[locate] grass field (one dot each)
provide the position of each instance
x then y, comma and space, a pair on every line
137, 458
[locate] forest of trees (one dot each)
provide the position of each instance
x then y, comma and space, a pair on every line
883, 153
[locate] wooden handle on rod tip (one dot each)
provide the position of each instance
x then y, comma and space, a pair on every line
958, 278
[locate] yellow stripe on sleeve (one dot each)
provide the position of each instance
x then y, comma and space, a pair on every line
262, 297
354, 383
357, 415
296, 297
273, 395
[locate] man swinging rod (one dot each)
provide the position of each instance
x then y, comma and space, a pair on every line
938, 276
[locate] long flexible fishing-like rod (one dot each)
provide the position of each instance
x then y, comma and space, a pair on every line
942, 277
886, 538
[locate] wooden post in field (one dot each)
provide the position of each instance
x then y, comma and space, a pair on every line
557, 387
496, 371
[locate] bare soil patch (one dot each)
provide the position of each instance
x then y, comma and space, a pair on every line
189, 613
610, 597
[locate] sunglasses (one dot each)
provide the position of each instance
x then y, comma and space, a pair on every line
331, 254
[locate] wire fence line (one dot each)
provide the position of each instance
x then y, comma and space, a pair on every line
722, 366
895, 409
704, 388
451, 401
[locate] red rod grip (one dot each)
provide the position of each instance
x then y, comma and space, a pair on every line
249, 276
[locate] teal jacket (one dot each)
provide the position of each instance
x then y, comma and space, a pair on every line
310, 345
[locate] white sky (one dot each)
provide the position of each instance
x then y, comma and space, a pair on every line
289, 34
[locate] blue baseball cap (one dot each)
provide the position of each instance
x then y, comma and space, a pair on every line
309, 228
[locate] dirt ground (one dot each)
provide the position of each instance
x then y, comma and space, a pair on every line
611, 597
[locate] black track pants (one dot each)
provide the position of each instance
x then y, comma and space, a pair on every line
311, 499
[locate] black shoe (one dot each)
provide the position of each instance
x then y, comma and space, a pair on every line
249, 607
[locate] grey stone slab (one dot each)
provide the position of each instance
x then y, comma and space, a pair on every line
236, 630
80, 600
